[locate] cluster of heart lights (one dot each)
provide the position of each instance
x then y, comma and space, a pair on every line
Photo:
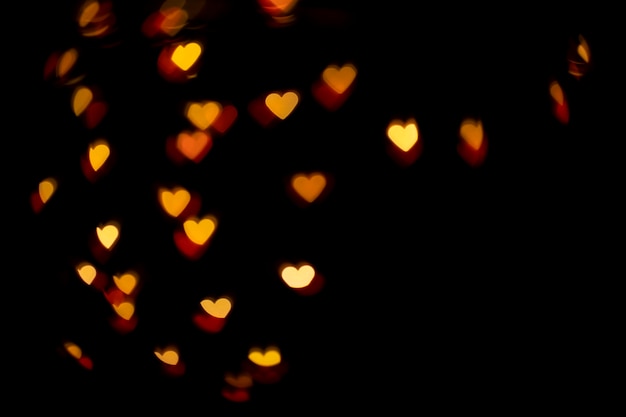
178, 62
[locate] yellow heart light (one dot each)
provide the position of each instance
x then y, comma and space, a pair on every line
309, 186
81, 98
126, 282
403, 135
471, 132
297, 277
203, 114
168, 356
219, 308
73, 349
108, 235
268, 357
339, 78
193, 145
47, 187
174, 201
184, 56
282, 105
125, 310
99, 152
86, 272
200, 230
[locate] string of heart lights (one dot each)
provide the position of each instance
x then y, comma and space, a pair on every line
180, 61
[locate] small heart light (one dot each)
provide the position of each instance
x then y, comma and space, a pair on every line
168, 356
108, 234
86, 272
217, 308
472, 145
269, 356
126, 282
308, 186
125, 309
560, 109
200, 230
203, 114
174, 201
297, 277
81, 98
403, 135
282, 104
339, 78
185, 55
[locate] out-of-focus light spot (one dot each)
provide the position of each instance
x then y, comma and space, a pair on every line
583, 50
579, 57
203, 114
308, 186
184, 56
108, 234
403, 135
96, 19
225, 119
126, 282
174, 19
125, 309
282, 104
281, 12
47, 187
560, 108
88, 12
200, 230
339, 78
99, 152
188, 146
73, 349
168, 356
86, 272
174, 201
81, 98
66, 62
217, 308
472, 145
269, 356
241, 380
297, 277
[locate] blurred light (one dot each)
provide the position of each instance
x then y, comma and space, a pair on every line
81, 98
217, 308
126, 282
66, 62
297, 276
174, 201
282, 104
184, 56
96, 19
168, 355
108, 234
47, 187
73, 349
403, 136
269, 356
125, 309
241, 380
472, 145
99, 151
560, 108
203, 114
339, 78
179, 62
86, 272
579, 57
192, 146
200, 230
308, 186
225, 119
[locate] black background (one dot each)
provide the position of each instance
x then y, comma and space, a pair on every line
447, 286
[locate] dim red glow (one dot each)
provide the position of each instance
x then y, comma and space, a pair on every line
560, 108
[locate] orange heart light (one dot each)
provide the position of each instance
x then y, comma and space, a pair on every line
241, 380
91, 276
167, 21
265, 365
203, 114
191, 146
126, 282
472, 146
170, 358
212, 318
180, 62
125, 309
579, 58
303, 278
96, 19
269, 356
76, 352
195, 235
404, 138
334, 86
282, 104
81, 98
97, 161
87, 106
178, 201
125, 319
560, 109
45, 190
307, 187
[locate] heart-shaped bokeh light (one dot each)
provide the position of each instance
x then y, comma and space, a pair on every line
472, 145
560, 109
404, 140
108, 234
282, 104
307, 186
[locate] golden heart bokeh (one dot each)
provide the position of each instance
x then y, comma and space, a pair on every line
282, 104
265, 357
184, 56
108, 234
560, 108
168, 356
297, 276
217, 308
66, 62
339, 78
174, 201
81, 99
200, 230
309, 186
99, 152
471, 132
193, 146
403, 135
47, 187
203, 114
86, 272
127, 282
125, 309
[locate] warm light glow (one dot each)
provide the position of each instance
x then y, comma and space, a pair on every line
471, 132
126, 282
219, 308
73, 349
403, 135
282, 105
88, 12
168, 356
86, 272
184, 56
309, 186
174, 201
268, 357
81, 98
47, 187
583, 50
339, 78
125, 310
175, 18
203, 114
193, 145
66, 62
108, 235
557, 93
297, 277
99, 151
242, 380
200, 230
